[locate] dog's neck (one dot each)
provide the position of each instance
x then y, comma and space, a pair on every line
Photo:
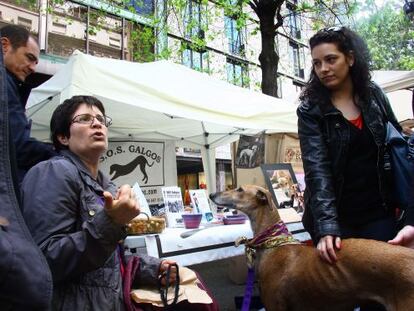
265, 216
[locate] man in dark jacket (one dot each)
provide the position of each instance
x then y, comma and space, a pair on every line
25, 278
20, 56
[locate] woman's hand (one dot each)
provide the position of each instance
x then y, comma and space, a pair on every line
124, 207
163, 271
326, 248
405, 237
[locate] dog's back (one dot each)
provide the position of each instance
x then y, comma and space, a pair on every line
293, 277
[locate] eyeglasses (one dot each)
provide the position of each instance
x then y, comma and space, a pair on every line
331, 29
87, 118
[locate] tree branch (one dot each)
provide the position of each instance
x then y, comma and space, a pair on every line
331, 10
279, 18
253, 4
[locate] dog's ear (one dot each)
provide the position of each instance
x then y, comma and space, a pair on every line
261, 197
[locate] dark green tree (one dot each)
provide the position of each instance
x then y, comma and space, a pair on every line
389, 35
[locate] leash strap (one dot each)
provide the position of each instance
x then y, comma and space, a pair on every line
164, 289
248, 292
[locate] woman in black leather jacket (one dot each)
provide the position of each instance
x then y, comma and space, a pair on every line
342, 131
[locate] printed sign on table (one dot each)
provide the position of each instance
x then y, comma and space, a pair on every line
200, 204
143, 204
174, 206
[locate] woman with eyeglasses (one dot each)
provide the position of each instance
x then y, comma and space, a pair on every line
77, 215
342, 130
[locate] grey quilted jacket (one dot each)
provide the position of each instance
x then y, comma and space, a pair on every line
63, 207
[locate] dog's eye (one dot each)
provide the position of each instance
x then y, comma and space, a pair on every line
240, 189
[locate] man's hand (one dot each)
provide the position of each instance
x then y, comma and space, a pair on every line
404, 238
326, 248
124, 207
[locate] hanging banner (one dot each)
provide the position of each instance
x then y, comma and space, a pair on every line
250, 151
144, 162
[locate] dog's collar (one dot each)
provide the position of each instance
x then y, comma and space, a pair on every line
273, 236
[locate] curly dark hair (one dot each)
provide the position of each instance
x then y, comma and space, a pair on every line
63, 114
347, 41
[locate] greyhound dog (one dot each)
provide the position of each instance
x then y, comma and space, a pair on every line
122, 170
293, 276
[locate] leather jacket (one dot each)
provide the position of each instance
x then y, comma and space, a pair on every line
324, 141
29, 151
25, 278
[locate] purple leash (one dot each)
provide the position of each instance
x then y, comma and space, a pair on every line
248, 292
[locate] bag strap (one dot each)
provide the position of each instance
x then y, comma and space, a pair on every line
164, 289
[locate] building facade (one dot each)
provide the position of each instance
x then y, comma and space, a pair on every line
200, 34
230, 51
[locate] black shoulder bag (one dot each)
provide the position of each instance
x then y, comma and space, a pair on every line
399, 155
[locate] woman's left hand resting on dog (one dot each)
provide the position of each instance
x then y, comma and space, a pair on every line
405, 237
326, 248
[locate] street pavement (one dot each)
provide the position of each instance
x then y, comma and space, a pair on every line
216, 276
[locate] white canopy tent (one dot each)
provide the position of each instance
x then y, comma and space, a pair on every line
398, 85
162, 101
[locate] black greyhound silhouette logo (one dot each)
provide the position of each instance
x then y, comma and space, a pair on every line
122, 170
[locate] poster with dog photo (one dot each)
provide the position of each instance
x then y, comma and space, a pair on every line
250, 151
281, 182
174, 206
199, 199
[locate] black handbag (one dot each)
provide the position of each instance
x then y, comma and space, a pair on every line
400, 152
399, 157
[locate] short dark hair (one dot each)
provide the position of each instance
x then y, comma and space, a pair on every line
17, 35
347, 42
63, 114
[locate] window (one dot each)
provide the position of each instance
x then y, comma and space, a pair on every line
193, 20
59, 27
234, 36
25, 22
297, 59
194, 59
237, 73
293, 22
114, 42
279, 87
142, 7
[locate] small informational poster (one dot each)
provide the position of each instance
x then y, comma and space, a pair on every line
143, 204
174, 206
201, 205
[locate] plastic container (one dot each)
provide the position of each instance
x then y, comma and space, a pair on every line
192, 221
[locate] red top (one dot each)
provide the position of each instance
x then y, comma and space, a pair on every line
358, 121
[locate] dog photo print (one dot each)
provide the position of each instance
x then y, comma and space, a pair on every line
250, 151
281, 182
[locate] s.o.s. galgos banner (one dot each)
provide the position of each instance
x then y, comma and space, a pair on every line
128, 162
